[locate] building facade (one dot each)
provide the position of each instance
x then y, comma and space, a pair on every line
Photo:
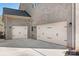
51, 21
54, 23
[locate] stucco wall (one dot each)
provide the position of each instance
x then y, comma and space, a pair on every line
77, 27
48, 12
1, 25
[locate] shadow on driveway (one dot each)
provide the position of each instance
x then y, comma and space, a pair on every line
30, 43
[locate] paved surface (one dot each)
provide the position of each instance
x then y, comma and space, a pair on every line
30, 47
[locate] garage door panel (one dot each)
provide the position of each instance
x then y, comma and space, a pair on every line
54, 33
19, 32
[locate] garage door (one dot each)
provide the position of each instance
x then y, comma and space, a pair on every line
19, 32
54, 33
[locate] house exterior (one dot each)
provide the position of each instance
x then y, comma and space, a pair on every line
13, 18
51, 21
54, 23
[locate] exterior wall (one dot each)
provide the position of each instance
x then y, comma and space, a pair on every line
46, 13
26, 6
1, 25
77, 27
9, 22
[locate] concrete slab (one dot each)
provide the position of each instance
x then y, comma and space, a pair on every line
6, 51
52, 52
30, 47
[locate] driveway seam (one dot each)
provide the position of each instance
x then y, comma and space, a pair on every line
39, 52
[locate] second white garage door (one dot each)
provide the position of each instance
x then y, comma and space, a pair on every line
19, 32
54, 33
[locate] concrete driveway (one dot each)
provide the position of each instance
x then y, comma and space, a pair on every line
30, 47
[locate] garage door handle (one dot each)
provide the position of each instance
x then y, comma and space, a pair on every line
65, 40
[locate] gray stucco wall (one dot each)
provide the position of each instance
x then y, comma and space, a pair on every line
48, 12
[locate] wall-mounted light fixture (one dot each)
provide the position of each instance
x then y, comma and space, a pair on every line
70, 23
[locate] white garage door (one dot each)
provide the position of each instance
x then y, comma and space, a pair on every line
54, 33
19, 32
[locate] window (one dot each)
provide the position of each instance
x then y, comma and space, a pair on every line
34, 5
32, 28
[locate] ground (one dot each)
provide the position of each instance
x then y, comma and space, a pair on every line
30, 47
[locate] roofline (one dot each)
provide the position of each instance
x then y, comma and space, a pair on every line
11, 8
16, 10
